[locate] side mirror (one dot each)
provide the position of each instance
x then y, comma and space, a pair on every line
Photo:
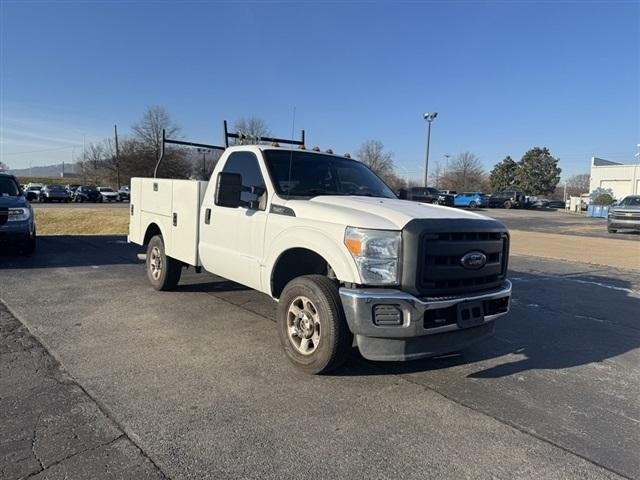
228, 190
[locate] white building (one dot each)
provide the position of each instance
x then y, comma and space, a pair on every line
622, 179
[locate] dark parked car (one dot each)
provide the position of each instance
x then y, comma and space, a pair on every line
557, 204
17, 224
427, 195
509, 199
624, 215
54, 193
87, 194
123, 194
32, 192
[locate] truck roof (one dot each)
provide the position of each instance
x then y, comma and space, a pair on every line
286, 148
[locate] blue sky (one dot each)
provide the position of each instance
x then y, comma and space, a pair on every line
504, 76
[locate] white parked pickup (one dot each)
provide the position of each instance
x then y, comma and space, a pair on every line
343, 256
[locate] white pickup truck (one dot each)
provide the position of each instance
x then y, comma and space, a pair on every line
343, 256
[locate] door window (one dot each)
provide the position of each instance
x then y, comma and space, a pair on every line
246, 164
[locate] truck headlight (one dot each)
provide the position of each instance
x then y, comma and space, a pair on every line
376, 253
19, 214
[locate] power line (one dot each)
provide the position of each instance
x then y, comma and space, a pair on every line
41, 151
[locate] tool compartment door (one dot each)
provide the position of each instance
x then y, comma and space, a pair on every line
135, 236
187, 197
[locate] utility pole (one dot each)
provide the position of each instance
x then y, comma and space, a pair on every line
429, 117
115, 129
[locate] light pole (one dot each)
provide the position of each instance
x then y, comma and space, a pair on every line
429, 117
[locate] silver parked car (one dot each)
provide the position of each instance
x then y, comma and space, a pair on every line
624, 215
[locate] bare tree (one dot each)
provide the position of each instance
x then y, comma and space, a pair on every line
252, 128
372, 154
465, 174
148, 131
3, 167
139, 158
578, 184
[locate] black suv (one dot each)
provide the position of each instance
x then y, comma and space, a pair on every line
87, 194
17, 224
510, 199
427, 195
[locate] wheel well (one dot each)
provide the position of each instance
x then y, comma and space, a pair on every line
152, 231
295, 263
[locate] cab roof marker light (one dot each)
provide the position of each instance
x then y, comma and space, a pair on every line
347, 155
275, 144
328, 150
302, 147
316, 149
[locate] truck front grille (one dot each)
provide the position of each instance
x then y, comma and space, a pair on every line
441, 271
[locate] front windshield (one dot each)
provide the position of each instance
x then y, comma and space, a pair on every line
89, 189
631, 202
104, 189
55, 188
8, 187
307, 174
35, 188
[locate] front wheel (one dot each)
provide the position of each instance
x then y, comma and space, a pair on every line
30, 247
473, 205
311, 324
507, 204
163, 272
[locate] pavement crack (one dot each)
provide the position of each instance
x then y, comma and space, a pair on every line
75, 454
34, 440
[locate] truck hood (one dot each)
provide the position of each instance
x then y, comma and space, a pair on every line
370, 212
13, 202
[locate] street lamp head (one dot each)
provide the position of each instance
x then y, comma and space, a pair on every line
429, 117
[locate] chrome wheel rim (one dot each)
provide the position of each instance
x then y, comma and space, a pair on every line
303, 325
155, 263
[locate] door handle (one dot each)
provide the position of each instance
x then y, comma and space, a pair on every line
207, 216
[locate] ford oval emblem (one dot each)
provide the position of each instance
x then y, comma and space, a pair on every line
473, 260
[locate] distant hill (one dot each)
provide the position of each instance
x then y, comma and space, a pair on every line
48, 171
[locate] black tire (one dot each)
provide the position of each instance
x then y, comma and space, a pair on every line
163, 272
612, 230
81, 199
473, 205
334, 337
507, 204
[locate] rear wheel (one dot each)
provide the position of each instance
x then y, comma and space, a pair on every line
163, 272
507, 204
473, 205
311, 324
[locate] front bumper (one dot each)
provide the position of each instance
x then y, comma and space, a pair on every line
633, 224
15, 232
427, 327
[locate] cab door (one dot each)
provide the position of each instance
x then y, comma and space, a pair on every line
232, 238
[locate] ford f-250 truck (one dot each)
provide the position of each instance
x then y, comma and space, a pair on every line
343, 256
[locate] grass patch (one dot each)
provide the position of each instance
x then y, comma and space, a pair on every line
82, 221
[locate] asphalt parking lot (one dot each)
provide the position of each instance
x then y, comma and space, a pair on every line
193, 384
557, 221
